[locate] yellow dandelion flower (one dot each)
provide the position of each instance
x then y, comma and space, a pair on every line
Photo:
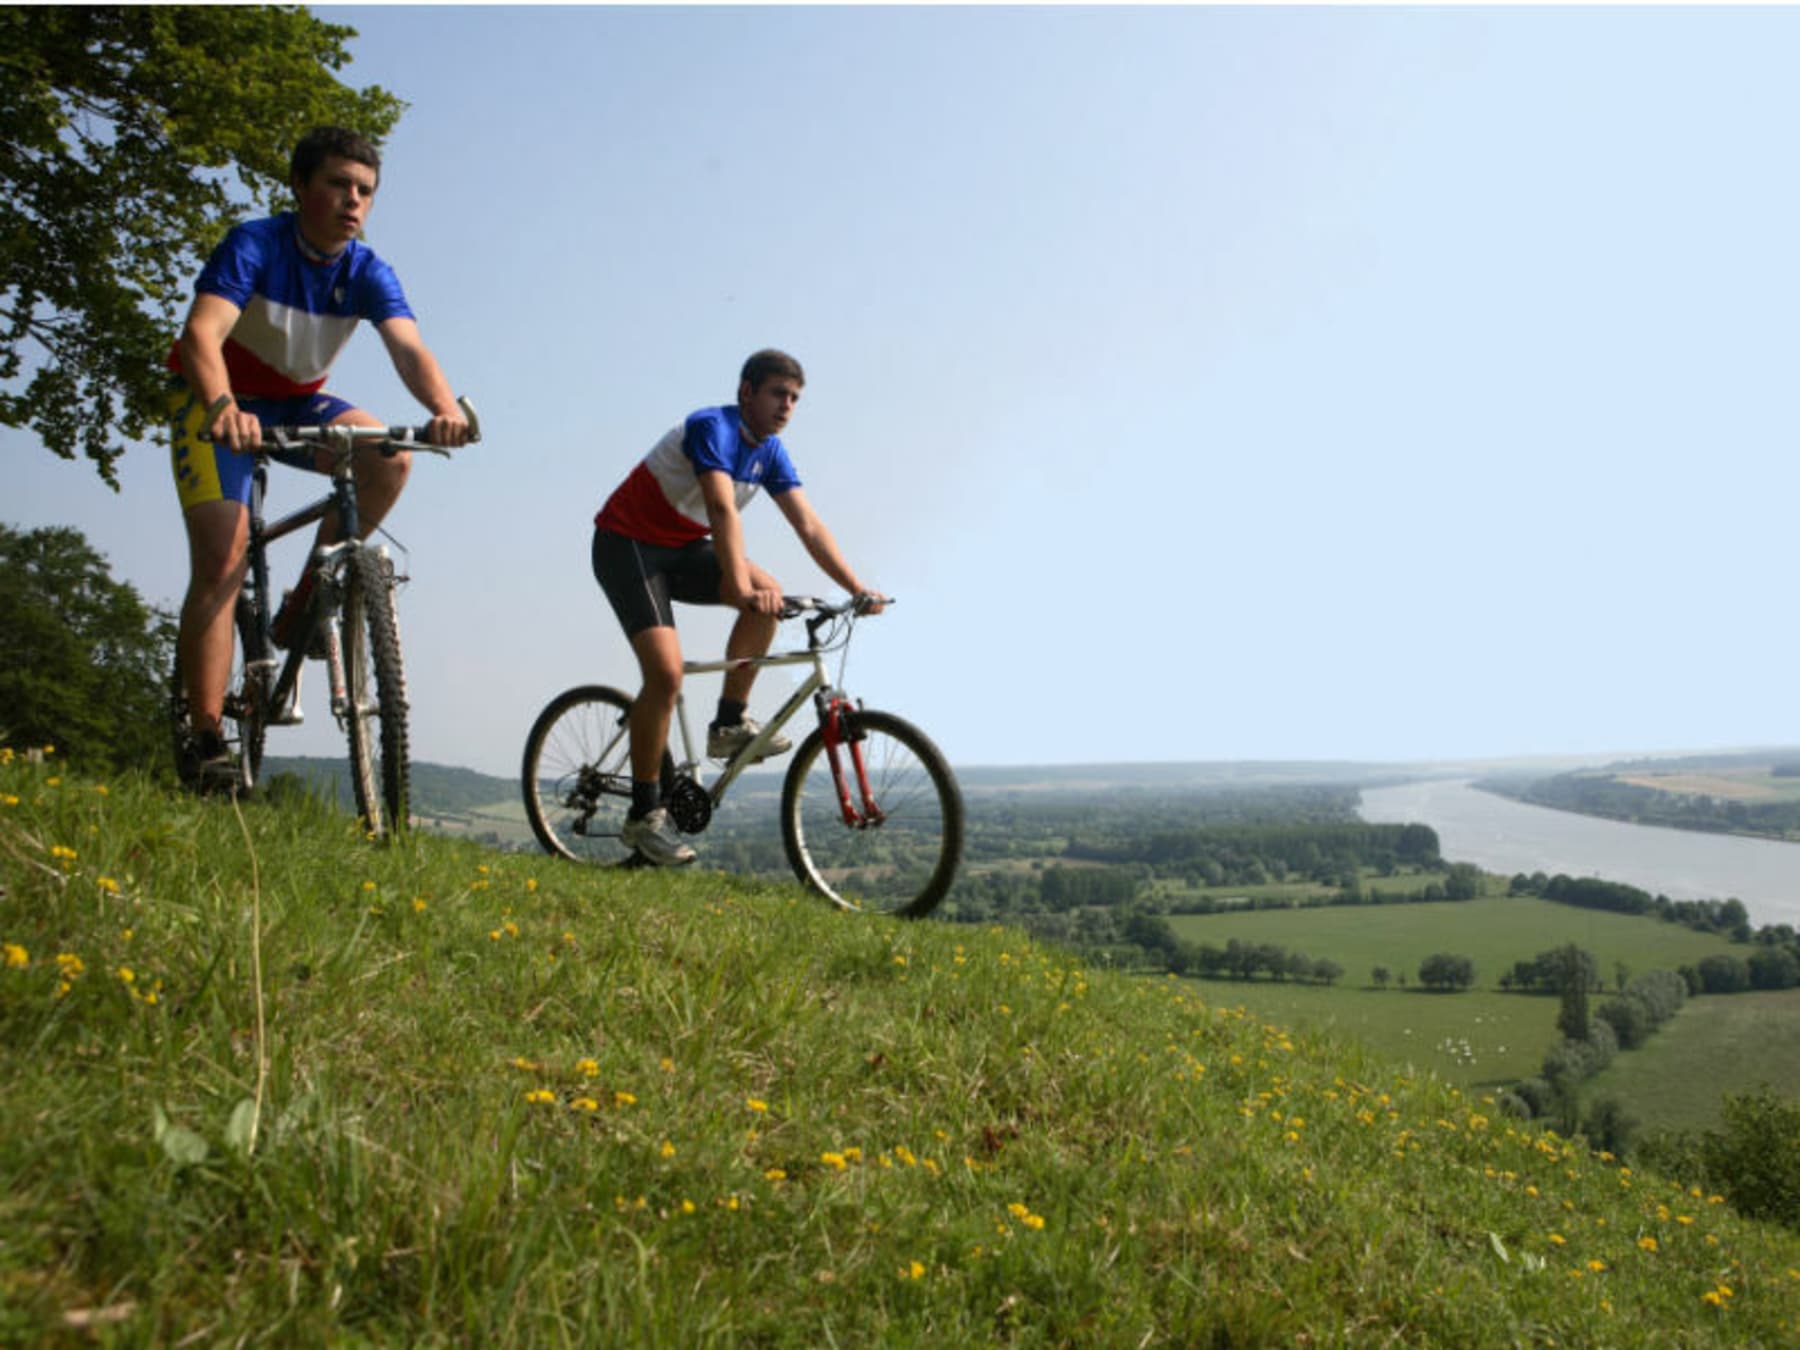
1712, 1296
531, 885
775, 1174
528, 1065
1017, 1210
70, 964
622, 1098
587, 1068
731, 1203
482, 868
666, 1064
899, 960
756, 1104
854, 1154
1596, 1266
540, 1096
493, 935
152, 997
17, 958
913, 1271
419, 906
1557, 1240
368, 885
667, 1150
107, 884
584, 1104
100, 790
1647, 1243
127, 975
10, 799
836, 1161
53, 782
512, 929
687, 1206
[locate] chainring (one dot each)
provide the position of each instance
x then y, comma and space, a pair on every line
688, 806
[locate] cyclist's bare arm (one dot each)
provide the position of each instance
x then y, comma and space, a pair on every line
202, 348
424, 378
823, 547
728, 540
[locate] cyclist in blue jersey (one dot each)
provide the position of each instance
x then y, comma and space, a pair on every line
671, 531
273, 307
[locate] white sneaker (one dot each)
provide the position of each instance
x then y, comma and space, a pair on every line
725, 742
654, 836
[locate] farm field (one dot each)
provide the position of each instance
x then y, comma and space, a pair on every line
1729, 1043
1494, 932
1477, 1039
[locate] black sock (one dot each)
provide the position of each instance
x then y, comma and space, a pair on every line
731, 712
645, 798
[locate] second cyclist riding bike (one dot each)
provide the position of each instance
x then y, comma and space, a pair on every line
871, 816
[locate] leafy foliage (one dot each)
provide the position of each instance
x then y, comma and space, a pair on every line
83, 660
130, 138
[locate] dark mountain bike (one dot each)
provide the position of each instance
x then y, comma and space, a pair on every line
350, 619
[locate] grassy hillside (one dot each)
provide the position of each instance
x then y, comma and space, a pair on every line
264, 1080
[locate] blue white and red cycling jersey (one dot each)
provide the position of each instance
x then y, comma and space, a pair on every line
299, 308
660, 500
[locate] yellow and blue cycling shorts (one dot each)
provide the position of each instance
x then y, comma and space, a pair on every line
206, 471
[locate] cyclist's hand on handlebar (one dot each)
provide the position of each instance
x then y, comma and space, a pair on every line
447, 429
869, 602
239, 430
762, 602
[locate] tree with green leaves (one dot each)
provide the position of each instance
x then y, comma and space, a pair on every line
83, 660
131, 139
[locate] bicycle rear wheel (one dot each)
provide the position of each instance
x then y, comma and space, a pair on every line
903, 861
242, 724
374, 716
576, 774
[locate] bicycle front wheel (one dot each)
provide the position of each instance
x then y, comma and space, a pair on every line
374, 715
577, 774
898, 850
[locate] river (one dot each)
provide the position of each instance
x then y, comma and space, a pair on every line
1508, 837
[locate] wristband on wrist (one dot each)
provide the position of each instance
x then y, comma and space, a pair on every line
217, 406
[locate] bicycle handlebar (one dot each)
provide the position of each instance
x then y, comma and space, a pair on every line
344, 438
793, 606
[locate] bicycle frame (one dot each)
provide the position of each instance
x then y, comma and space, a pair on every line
830, 704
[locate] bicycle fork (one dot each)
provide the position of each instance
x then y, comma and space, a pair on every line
843, 741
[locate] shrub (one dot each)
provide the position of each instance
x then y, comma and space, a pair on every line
1754, 1161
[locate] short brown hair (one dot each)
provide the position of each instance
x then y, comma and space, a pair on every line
768, 363
321, 143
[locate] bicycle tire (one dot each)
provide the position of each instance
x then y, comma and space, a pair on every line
902, 866
576, 774
242, 724
375, 686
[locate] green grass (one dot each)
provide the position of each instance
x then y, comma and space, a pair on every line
1497, 931
1486, 1036
305, 1090
1716, 1045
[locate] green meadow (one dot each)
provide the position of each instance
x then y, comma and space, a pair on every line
266, 1082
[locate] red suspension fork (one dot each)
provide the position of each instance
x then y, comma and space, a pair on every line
838, 745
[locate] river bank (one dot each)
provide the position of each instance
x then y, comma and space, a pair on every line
1500, 835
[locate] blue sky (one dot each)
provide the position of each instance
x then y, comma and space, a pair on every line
1253, 383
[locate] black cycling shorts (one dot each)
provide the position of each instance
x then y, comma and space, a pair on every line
642, 579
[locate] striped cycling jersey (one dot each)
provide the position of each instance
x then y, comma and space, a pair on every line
660, 500
298, 308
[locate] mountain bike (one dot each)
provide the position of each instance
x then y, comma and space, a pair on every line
350, 621
871, 816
